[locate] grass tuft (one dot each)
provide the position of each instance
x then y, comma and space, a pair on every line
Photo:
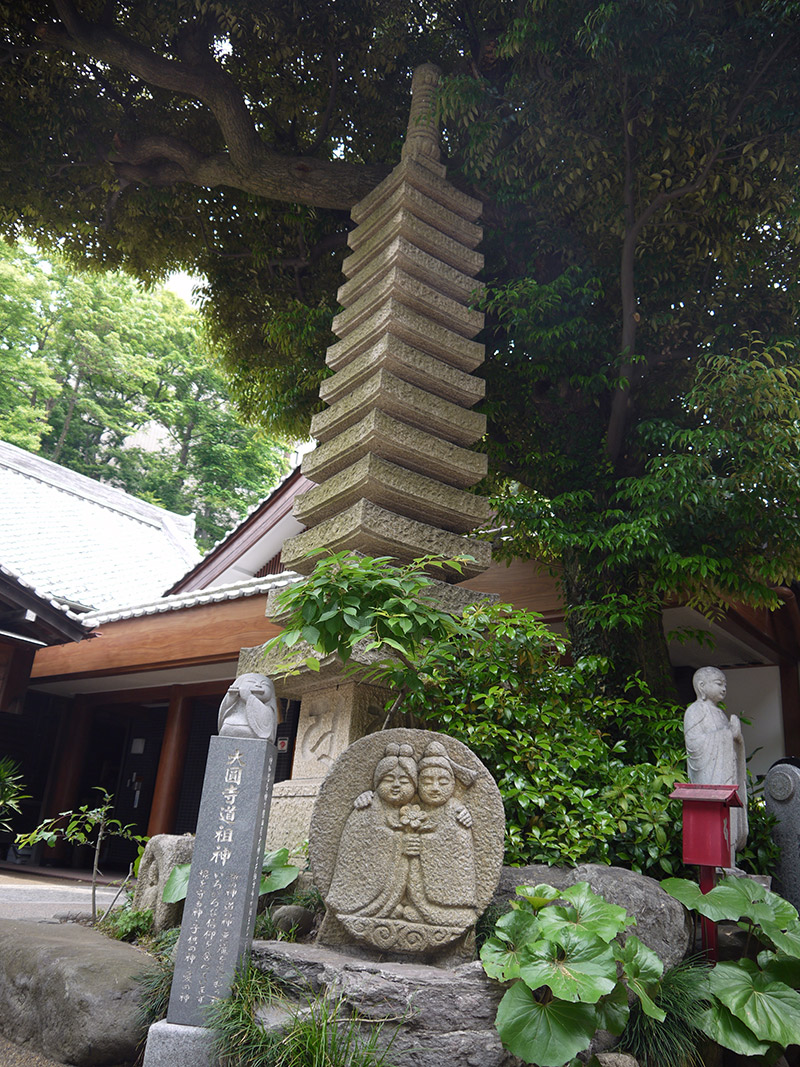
678, 1040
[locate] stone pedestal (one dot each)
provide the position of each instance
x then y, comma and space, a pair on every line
782, 797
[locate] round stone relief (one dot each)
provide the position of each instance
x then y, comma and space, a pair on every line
780, 784
406, 840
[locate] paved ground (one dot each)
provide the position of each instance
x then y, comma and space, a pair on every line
34, 896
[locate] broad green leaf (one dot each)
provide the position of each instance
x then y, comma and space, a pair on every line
769, 1008
786, 939
575, 967
724, 1028
278, 878
613, 1010
781, 968
536, 896
500, 954
177, 884
545, 1034
593, 914
642, 969
278, 858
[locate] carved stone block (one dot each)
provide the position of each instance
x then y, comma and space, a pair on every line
406, 844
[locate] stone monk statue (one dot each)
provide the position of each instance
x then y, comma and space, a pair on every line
715, 747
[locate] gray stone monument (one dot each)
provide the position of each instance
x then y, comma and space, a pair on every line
715, 747
406, 846
162, 853
220, 909
782, 797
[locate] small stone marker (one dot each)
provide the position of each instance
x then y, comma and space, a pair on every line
782, 797
221, 901
406, 845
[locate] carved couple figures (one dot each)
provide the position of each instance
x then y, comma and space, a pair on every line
394, 837
715, 752
406, 851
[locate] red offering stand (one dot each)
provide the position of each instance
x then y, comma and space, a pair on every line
707, 838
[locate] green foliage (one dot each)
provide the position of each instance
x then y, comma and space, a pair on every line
585, 777
85, 825
113, 381
676, 1040
11, 791
351, 600
155, 984
276, 874
127, 923
319, 1033
754, 1006
559, 948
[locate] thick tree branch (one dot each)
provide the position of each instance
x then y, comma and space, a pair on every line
248, 164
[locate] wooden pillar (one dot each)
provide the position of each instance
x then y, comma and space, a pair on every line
170, 764
73, 741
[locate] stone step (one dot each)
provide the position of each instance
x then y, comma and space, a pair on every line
402, 253
398, 490
425, 181
413, 366
404, 402
366, 527
424, 207
421, 235
400, 443
411, 327
397, 284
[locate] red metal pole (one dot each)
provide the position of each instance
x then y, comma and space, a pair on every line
708, 879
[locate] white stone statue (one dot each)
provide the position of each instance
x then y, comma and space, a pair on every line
715, 747
249, 708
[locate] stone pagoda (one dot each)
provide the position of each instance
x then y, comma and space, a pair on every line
393, 463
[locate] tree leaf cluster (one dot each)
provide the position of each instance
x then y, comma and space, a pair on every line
119, 384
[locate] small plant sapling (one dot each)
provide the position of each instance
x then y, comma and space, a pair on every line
11, 791
85, 825
754, 1006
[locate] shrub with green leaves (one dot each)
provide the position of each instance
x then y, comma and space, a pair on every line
12, 791
585, 778
127, 923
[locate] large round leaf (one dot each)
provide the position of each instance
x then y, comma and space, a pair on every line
589, 914
575, 967
769, 1008
500, 954
642, 969
546, 1034
724, 1028
536, 896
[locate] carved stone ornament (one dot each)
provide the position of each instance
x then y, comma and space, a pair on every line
406, 841
249, 708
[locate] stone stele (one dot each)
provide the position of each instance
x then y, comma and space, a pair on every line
406, 845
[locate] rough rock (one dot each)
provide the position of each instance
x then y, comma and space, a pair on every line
70, 993
161, 854
441, 1016
293, 917
616, 1059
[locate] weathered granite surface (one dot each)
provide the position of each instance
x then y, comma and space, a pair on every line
442, 1016
70, 993
406, 845
162, 852
782, 797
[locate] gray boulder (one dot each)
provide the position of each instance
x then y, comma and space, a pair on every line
70, 993
161, 854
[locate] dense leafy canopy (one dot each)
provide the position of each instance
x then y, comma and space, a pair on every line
116, 383
638, 163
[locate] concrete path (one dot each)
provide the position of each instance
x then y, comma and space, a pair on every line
31, 896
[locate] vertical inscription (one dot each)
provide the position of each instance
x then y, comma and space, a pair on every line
226, 869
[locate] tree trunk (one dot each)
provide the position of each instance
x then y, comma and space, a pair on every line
67, 420
631, 646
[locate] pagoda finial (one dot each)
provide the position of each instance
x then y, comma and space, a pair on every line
422, 139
